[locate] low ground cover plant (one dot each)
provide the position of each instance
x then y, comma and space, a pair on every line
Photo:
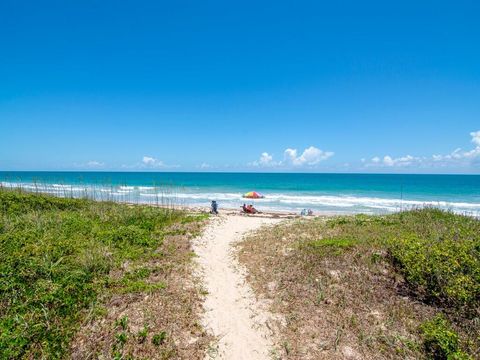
60, 258
400, 285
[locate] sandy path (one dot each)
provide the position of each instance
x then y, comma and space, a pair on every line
231, 312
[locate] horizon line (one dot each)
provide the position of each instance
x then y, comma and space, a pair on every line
236, 172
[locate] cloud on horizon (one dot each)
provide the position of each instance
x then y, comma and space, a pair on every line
95, 163
152, 162
92, 164
204, 166
265, 160
311, 156
458, 157
149, 162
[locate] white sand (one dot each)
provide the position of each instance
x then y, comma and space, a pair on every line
231, 311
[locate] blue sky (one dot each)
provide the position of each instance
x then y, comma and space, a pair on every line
371, 86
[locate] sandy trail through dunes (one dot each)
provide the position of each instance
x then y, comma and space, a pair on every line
231, 311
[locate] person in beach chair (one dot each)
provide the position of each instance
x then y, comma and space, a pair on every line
253, 210
249, 209
214, 208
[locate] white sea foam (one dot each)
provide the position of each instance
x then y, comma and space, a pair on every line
344, 203
146, 188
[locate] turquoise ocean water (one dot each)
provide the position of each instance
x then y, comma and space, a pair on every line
329, 193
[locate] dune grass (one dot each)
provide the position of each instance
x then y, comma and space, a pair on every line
57, 257
406, 285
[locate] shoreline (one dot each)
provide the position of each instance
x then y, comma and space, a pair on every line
236, 212
347, 209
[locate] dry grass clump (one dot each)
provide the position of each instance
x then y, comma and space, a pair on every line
342, 294
153, 310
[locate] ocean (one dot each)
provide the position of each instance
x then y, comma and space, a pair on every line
323, 193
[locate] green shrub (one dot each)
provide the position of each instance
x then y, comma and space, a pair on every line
439, 253
130, 234
440, 340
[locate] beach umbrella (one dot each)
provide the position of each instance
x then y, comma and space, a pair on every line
253, 195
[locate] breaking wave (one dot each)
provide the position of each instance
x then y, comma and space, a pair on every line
332, 203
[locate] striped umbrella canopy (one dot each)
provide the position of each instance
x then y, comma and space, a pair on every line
253, 195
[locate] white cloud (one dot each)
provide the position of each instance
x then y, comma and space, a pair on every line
476, 137
204, 166
387, 160
310, 156
265, 160
92, 164
290, 154
150, 161
153, 163
401, 161
95, 163
457, 157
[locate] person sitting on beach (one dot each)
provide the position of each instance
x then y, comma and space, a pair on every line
214, 208
249, 209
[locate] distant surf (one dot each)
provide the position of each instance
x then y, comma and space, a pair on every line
323, 193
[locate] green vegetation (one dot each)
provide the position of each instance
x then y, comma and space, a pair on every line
404, 285
56, 260
440, 340
159, 339
438, 252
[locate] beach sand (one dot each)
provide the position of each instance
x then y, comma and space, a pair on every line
232, 313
